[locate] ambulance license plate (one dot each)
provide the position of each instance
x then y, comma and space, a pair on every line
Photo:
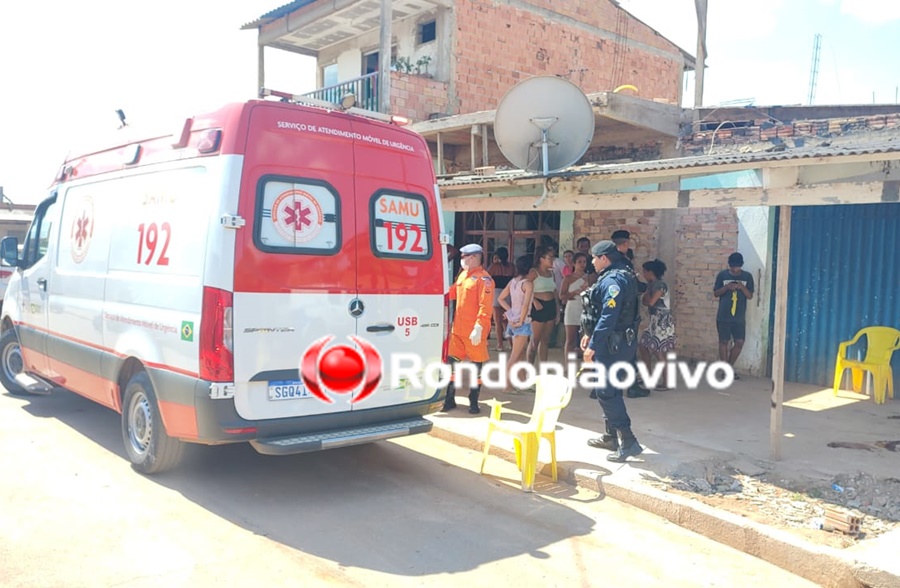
288, 390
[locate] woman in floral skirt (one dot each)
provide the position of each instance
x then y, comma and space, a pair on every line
659, 338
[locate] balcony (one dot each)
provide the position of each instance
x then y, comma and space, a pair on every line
365, 89
413, 96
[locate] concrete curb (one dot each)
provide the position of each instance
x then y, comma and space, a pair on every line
823, 565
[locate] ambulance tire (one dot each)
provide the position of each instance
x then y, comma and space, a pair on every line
149, 447
11, 363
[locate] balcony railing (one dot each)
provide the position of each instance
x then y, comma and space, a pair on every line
364, 88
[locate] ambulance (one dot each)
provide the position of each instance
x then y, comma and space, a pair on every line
184, 279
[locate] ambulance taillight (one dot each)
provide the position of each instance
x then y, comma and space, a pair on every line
445, 348
216, 336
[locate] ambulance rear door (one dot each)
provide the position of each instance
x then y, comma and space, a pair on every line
401, 263
295, 260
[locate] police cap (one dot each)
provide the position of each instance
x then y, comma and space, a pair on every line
621, 234
607, 248
471, 248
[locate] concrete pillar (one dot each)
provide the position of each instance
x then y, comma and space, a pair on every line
755, 244
566, 231
384, 66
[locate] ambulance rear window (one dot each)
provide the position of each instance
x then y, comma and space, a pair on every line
297, 216
400, 225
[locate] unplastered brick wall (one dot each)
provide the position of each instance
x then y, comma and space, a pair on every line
705, 238
799, 133
416, 96
499, 44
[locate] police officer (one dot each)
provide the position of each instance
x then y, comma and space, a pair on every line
622, 239
473, 294
614, 339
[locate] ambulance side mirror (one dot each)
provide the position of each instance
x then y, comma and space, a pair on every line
9, 251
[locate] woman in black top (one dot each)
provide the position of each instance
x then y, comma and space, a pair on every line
502, 271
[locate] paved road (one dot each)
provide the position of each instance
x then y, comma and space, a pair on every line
401, 513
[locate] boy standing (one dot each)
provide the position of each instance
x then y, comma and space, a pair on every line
733, 288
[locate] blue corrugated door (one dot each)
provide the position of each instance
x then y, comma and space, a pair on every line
844, 275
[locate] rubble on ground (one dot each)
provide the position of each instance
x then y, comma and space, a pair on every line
790, 503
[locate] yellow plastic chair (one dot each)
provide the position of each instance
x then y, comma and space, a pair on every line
552, 394
881, 344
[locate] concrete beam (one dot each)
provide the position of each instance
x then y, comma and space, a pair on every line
871, 170
289, 23
568, 197
665, 175
646, 114
780, 177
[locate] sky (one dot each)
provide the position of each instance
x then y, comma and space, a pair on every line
65, 67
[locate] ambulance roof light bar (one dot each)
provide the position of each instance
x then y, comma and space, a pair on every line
301, 99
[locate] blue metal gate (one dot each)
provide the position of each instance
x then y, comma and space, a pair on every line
844, 275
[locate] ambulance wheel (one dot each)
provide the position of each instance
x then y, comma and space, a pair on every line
11, 363
149, 448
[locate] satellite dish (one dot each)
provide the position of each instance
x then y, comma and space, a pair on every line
544, 124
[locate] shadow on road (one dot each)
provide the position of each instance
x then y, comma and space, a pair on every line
380, 507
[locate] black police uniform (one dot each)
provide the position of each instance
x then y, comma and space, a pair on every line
614, 339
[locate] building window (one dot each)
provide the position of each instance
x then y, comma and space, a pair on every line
330, 75
296, 215
370, 63
521, 232
427, 32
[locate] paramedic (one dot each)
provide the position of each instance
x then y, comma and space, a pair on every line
474, 296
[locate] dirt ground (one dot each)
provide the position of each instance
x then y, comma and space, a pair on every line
794, 505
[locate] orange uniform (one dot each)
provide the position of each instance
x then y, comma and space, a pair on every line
474, 296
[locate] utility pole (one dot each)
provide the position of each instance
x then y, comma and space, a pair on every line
814, 71
701, 51
384, 62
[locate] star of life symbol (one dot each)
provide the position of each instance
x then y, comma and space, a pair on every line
297, 216
82, 230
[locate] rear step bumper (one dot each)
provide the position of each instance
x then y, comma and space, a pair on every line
354, 436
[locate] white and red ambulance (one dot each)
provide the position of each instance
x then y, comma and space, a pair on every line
179, 279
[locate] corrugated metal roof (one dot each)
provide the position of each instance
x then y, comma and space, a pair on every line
277, 13
599, 169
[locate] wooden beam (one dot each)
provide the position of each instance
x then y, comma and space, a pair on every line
780, 331
440, 154
484, 146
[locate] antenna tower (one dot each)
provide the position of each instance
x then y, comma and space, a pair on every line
814, 71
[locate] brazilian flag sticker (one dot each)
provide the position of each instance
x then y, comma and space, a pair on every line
187, 331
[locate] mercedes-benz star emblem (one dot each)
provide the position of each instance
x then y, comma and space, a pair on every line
356, 308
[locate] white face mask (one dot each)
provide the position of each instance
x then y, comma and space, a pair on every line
468, 262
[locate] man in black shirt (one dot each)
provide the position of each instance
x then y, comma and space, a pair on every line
584, 246
733, 288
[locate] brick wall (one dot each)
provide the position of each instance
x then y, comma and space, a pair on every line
498, 45
705, 238
759, 129
416, 97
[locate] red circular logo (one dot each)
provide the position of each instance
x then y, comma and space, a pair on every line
342, 369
